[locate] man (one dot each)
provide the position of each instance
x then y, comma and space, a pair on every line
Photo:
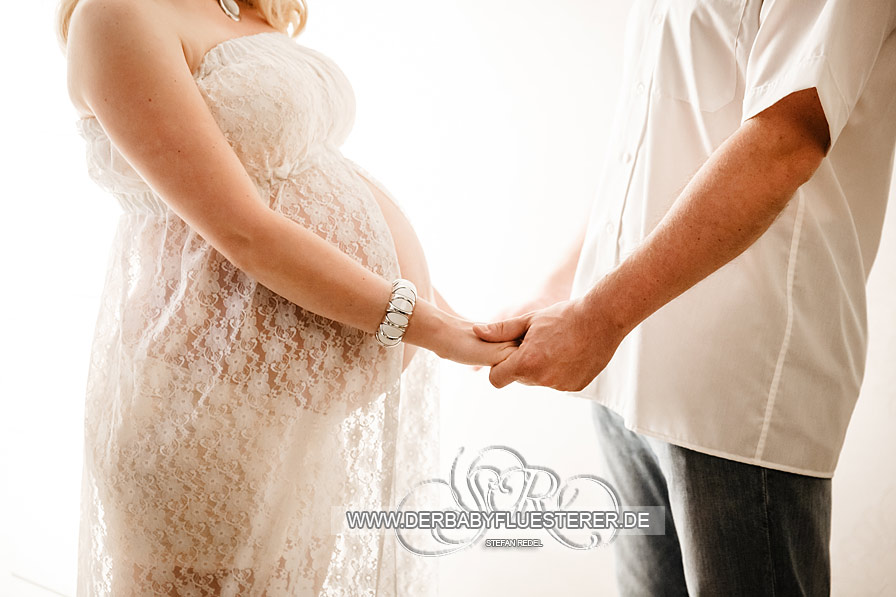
720, 329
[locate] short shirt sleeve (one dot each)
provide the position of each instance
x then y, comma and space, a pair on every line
831, 45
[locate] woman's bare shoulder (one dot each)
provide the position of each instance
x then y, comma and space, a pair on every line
107, 36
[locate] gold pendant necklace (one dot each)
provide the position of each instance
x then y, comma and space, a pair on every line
230, 8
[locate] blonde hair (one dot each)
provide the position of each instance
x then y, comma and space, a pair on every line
280, 14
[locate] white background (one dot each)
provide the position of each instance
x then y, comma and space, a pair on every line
486, 119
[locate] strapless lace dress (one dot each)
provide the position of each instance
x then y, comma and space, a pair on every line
227, 430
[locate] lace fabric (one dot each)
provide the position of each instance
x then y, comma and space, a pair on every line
224, 424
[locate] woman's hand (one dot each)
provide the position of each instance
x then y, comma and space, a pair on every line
462, 345
452, 337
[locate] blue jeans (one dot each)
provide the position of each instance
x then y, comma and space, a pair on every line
731, 528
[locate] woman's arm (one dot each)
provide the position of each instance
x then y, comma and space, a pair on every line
127, 67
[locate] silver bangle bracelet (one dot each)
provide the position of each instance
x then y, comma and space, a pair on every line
398, 313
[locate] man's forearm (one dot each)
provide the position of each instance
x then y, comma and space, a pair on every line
727, 206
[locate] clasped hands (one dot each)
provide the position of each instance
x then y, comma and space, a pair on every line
563, 345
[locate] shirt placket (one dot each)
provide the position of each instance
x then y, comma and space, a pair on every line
632, 133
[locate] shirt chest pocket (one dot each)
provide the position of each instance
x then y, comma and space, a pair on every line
697, 54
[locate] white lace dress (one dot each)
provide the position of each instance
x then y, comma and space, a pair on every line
226, 428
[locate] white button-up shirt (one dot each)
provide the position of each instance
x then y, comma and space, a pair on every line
762, 361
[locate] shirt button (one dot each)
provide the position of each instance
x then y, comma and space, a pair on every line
626, 157
639, 89
610, 227
657, 19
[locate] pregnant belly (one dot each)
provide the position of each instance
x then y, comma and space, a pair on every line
411, 260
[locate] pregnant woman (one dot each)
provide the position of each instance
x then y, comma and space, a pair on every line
247, 380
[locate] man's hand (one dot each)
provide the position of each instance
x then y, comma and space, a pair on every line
563, 346
516, 314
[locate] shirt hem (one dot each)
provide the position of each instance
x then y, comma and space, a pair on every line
827, 474
727, 455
